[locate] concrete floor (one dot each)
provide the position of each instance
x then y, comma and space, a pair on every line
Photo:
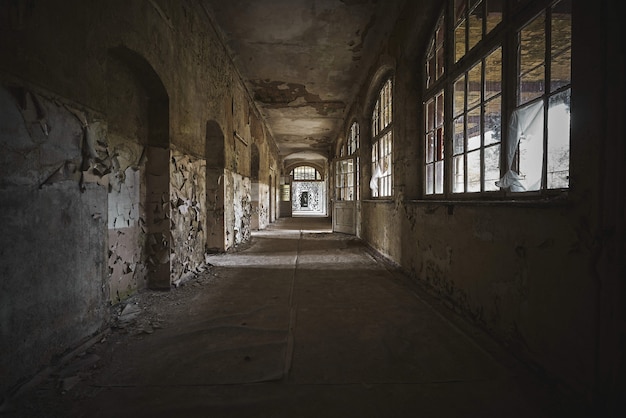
301, 323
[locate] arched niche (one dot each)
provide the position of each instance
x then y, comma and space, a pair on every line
214, 151
139, 211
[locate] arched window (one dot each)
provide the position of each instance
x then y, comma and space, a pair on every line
347, 171
381, 182
305, 172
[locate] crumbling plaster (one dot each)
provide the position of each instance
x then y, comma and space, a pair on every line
78, 182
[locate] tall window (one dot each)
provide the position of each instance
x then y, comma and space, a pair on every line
530, 152
539, 132
477, 126
381, 182
347, 171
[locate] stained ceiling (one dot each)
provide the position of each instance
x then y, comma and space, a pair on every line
304, 61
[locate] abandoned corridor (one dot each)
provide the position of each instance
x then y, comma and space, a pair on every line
302, 322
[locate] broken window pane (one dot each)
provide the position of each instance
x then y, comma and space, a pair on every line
530, 148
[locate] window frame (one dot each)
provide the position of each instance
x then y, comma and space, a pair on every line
382, 144
504, 35
317, 176
350, 150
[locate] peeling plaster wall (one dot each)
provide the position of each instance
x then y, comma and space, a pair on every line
215, 229
527, 270
237, 216
188, 200
263, 208
53, 287
127, 268
91, 199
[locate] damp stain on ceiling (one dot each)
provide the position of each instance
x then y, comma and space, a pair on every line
304, 61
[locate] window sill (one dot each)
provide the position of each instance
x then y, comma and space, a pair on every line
560, 199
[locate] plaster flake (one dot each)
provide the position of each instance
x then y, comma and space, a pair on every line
55, 142
126, 271
187, 197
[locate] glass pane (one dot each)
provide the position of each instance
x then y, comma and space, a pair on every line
459, 173
439, 177
561, 51
430, 71
493, 121
475, 21
473, 171
561, 70
459, 135
493, 74
558, 140
459, 96
375, 116
440, 62
430, 148
473, 129
532, 85
532, 45
460, 6
492, 167
430, 115
440, 32
358, 178
530, 148
440, 114
439, 145
459, 41
430, 175
474, 86
494, 13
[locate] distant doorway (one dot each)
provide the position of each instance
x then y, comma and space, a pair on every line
308, 191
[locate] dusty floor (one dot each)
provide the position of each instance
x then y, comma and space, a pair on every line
301, 323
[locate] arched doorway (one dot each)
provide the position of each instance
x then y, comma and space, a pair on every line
308, 192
